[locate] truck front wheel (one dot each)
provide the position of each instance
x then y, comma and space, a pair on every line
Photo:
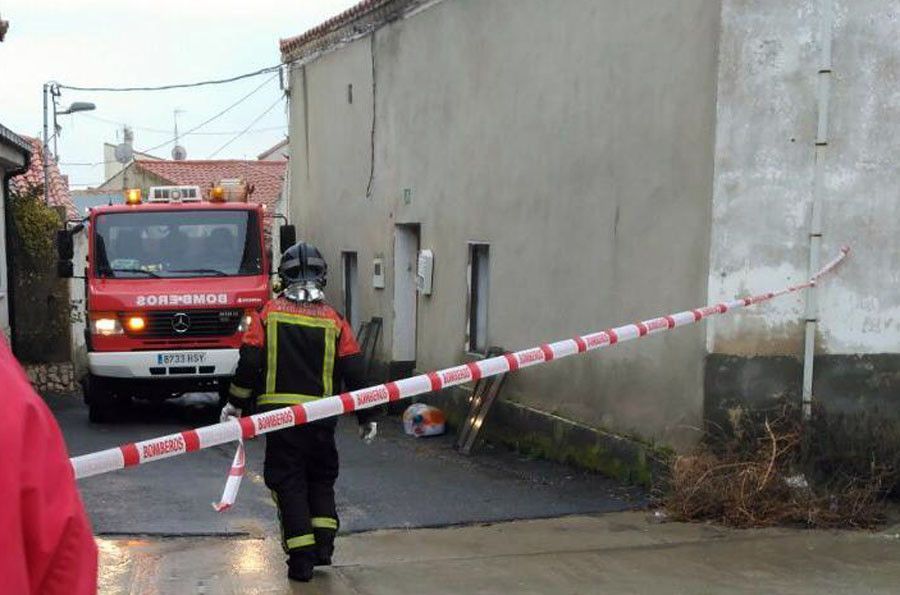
224, 387
99, 399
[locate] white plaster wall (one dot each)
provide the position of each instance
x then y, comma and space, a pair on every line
766, 128
860, 312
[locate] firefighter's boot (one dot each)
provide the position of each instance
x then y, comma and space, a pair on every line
300, 566
324, 546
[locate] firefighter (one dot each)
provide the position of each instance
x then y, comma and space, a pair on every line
297, 350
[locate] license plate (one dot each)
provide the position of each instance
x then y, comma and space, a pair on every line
186, 357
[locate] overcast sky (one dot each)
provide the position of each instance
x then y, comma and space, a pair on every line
112, 43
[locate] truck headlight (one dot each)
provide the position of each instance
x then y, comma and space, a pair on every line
106, 326
244, 326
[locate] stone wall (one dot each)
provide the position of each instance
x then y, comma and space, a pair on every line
52, 378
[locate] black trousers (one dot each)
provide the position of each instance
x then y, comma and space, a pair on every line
300, 469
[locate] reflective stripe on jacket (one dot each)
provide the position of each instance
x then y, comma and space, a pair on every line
291, 354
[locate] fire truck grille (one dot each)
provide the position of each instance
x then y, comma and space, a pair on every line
191, 323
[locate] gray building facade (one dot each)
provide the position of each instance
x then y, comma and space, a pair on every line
572, 141
574, 166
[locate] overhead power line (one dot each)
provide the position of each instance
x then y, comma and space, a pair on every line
227, 132
218, 115
194, 130
244, 131
120, 124
98, 163
223, 81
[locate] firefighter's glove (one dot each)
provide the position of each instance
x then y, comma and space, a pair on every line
229, 411
368, 431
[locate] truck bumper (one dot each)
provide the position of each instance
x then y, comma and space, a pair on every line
158, 364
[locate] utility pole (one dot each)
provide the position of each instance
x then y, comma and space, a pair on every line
45, 148
51, 92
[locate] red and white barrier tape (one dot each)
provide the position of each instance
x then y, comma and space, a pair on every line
233, 483
129, 455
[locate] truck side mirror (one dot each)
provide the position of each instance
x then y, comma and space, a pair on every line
287, 237
65, 269
65, 245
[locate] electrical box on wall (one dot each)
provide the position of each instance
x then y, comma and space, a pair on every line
378, 273
425, 272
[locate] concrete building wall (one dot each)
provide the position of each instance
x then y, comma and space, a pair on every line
766, 179
111, 166
576, 138
131, 177
329, 171
279, 152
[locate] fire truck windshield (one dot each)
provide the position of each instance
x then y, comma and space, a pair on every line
177, 244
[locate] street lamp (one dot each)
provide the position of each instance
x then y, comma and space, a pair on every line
51, 92
78, 106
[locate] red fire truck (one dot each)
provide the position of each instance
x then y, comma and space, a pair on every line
169, 284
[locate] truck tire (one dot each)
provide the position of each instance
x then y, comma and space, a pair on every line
99, 399
98, 414
224, 387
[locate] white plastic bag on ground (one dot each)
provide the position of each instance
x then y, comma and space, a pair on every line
420, 419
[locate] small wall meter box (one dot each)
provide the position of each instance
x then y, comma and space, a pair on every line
378, 273
425, 272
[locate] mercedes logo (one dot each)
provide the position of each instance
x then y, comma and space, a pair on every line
181, 322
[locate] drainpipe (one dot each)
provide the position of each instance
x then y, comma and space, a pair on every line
823, 83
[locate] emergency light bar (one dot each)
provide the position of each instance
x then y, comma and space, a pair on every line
230, 190
133, 196
175, 194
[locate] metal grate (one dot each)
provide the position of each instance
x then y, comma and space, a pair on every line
191, 323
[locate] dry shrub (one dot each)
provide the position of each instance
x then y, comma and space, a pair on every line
855, 446
771, 472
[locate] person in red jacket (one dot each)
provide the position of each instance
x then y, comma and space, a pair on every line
46, 542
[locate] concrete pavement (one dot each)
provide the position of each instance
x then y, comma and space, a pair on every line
158, 534
397, 482
611, 553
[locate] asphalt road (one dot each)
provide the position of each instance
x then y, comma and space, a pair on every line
397, 482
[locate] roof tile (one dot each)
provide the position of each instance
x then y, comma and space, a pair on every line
332, 24
267, 177
34, 177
